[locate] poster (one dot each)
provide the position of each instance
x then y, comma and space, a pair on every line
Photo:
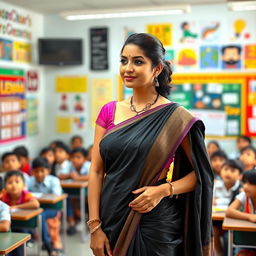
209, 57
162, 31
21, 52
102, 92
6, 49
12, 105
250, 56
32, 116
99, 48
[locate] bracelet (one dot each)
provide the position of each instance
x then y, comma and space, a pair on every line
93, 220
95, 228
172, 189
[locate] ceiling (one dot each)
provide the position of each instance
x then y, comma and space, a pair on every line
57, 6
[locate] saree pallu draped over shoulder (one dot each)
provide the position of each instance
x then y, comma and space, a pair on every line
134, 154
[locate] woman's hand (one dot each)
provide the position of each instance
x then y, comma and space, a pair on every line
148, 199
99, 241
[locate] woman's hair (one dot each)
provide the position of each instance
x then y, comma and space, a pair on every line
250, 177
154, 50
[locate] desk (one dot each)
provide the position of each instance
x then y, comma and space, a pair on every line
29, 219
10, 241
231, 225
51, 201
77, 188
216, 215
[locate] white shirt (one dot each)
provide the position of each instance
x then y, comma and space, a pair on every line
4, 212
221, 194
63, 168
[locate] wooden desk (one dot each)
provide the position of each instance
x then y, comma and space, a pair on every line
218, 215
51, 201
231, 225
77, 189
29, 219
10, 241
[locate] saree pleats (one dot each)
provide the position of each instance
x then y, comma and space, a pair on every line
134, 154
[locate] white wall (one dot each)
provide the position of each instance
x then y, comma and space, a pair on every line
33, 143
58, 27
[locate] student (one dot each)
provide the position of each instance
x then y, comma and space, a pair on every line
5, 217
10, 162
248, 157
218, 158
244, 206
54, 143
76, 141
15, 195
212, 146
48, 153
23, 155
63, 164
43, 182
243, 141
79, 165
224, 192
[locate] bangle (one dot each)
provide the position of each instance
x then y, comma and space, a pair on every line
95, 228
91, 221
172, 189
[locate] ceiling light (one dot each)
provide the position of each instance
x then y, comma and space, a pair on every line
242, 5
124, 13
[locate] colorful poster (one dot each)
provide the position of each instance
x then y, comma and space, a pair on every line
250, 56
231, 56
210, 31
187, 58
187, 32
209, 57
21, 52
32, 116
63, 124
5, 49
102, 92
12, 105
32, 81
169, 56
162, 31
71, 84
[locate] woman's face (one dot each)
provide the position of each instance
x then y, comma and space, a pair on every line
135, 68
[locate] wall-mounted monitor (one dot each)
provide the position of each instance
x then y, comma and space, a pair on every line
60, 51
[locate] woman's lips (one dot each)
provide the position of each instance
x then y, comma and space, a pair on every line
129, 78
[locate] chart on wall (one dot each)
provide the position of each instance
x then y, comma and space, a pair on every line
12, 105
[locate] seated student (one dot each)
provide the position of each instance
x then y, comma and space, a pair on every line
54, 143
10, 162
14, 193
248, 157
5, 217
76, 142
63, 164
23, 155
244, 205
43, 182
212, 146
243, 141
224, 192
217, 159
48, 153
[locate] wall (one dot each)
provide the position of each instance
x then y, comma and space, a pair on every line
35, 142
63, 28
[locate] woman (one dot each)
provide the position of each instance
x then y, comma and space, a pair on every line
133, 211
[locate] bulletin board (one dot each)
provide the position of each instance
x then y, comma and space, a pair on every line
12, 105
225, 102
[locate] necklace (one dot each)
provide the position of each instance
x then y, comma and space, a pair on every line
147, 106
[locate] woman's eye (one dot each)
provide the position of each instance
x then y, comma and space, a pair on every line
123, 61
138, 62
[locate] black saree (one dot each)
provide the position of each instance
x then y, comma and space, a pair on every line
134, 154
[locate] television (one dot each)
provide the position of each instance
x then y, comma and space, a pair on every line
60, 51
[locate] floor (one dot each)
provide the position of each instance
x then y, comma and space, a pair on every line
74, 247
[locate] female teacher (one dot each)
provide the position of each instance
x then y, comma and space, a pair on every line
133, 210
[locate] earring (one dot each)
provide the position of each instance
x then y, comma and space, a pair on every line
156, 82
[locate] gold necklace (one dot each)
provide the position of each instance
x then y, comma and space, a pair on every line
147, 106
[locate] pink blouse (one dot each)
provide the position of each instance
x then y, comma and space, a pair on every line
106, 117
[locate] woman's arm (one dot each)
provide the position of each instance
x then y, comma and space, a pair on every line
233, 212
152, 195
32, 204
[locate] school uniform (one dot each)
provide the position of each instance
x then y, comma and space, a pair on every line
4, 212
63, 168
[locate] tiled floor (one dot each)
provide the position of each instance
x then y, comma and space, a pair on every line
74, 247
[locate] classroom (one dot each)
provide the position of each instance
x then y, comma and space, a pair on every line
67, 66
